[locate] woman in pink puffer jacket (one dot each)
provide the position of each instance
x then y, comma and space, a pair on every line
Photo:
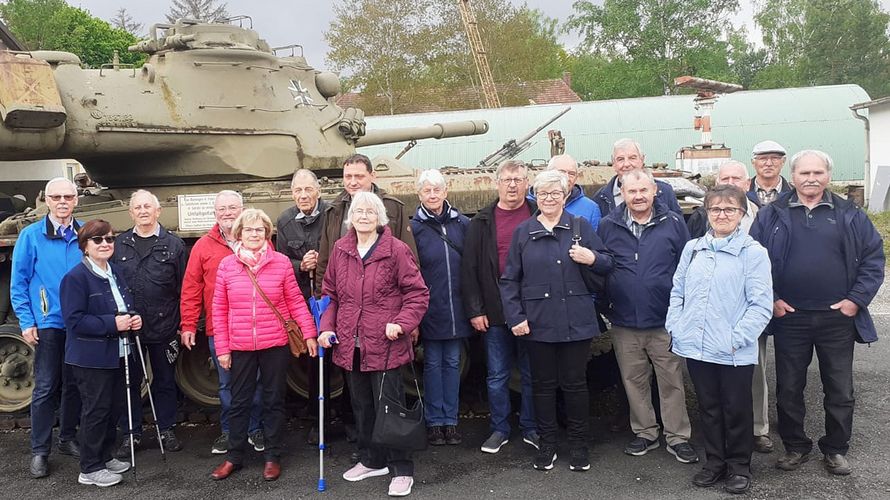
251, 341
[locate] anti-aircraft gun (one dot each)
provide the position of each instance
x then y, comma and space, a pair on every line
214, 107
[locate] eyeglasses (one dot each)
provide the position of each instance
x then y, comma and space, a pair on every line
367, 212
57, 197
728, 211
230, 208
555, 195
253, 230
513, 181
299, 191
772, 158
99, 239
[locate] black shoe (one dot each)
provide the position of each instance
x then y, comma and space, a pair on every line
639, 446
579, 460
171, 442
792, 460
124, 450
837, 464
452, 437
69, 448
737, 484
39, 466
435, 436
545, 458
706, 478
355, 457
683, 452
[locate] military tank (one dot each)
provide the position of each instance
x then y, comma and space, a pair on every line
214, 107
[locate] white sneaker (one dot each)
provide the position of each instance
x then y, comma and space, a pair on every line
101, 478
400, 486
359, 472
117, 466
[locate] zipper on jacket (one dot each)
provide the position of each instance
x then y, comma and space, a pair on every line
44, 302
450, 295
254, 320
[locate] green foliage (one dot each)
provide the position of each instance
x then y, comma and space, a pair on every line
55, 25
881, 220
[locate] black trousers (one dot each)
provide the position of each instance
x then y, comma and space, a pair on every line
364, 390
562, 365
727, 423
163, 387
102, 396
272, 367
833, 336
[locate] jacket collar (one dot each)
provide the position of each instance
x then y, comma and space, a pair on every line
347, 244
738, 241
448, 213
344, 198
50, 228
536, 229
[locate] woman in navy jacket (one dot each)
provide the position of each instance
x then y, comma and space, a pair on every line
95, 302
547, 302
439, 231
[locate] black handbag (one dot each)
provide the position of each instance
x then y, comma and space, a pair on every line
398, 427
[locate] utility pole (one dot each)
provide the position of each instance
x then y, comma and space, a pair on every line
479, 57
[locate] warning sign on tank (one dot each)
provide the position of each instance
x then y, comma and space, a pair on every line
196, 212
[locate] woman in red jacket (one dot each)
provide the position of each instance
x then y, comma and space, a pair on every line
251, 341
377, 297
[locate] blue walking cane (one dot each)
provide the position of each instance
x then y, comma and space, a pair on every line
317, 307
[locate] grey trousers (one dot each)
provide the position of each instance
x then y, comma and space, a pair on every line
635, 349
760, 391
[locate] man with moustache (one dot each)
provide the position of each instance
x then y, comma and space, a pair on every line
43, 253
828, 264
486, 246
626, 157
197, 296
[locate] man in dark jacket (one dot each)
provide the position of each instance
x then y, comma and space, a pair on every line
152, 260
828, 264
626, 157
645, 240
485, 257
768, 158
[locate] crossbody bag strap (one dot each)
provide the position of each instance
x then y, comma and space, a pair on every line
382, 378
263, 295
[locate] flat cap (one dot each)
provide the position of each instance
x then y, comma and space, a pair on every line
765, 147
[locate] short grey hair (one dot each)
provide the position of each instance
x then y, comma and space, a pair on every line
252, 215
138, 192
633, 175
371, 199
811, 152
550, 178
626, 143
551, 165
432, 177
57, 180
228, 192
511, 165
305, 172
733, 163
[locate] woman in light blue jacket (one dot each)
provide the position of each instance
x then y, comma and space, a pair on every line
720, 303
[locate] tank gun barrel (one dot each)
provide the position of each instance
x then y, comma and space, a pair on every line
436, 131
513, 147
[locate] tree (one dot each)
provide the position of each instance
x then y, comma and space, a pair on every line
124, 21
668, 38
55, 25
202, 10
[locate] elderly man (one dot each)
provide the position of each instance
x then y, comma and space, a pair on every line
645, 239
577, 203
626, 157
828, 264
734, 173
484, 259
768, 158
197, 296
359, 175
44, 252
152, 261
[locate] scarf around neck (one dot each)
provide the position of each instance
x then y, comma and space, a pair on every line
251, 258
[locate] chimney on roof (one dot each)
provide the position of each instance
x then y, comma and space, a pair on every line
567, 77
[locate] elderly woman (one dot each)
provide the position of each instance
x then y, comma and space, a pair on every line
720, 303
251, 340
377, 298
95, 304
547, 302
439, 231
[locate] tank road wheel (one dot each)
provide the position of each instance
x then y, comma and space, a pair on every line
408, 377
16, 370
298, 377
196, 374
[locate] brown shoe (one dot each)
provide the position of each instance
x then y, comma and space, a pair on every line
223, 471
763, 444
271, 471
791, 460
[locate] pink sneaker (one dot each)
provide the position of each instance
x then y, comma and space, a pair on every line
359, 472
400, 486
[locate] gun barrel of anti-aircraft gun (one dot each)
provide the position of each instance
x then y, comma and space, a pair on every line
513, 147
530, 135
437, 131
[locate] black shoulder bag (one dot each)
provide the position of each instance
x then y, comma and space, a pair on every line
395, 426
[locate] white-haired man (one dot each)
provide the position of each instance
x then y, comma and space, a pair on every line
627, 155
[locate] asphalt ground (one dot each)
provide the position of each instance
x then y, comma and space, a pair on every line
455, 472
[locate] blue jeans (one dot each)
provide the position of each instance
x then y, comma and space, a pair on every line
502, 350
225, 397
441, 381
53, 380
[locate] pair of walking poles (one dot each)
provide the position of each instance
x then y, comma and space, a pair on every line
128, 344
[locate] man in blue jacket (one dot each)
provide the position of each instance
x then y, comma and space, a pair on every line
828, 264
44, 252
577, 203
626, 157
646, 239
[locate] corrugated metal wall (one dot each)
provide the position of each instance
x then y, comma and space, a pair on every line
802, 118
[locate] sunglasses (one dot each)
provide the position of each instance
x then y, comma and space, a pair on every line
58, 197
99, 239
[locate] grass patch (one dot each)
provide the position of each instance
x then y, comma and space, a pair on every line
882, 223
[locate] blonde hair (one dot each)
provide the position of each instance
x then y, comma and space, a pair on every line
252, 215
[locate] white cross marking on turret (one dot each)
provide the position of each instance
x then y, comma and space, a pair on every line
301, 94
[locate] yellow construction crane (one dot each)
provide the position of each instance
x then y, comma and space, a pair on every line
479, 57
